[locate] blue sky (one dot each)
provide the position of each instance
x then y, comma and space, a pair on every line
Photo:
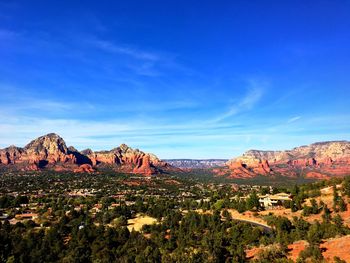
181, 79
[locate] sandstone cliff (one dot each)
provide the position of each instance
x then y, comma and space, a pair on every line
322, 152
128, 159
10, 155
50, 152
322, 159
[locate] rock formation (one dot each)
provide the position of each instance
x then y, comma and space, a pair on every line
321, 152
317, 160
128, 159
10, 154
84, 168
49, 148
50, 151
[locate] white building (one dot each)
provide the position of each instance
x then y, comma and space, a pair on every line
269, 201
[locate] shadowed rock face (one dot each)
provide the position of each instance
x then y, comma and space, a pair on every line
50, 151
318, 160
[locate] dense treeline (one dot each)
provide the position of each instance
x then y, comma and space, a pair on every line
194, 224
191, 237
179, 238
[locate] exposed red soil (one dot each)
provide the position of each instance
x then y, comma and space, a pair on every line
335, 247
296, 248
316, 175
339, 247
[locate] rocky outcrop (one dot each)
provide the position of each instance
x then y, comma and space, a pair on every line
302, 162
313, 154
317, 160
128, 159
237, 168
10, 155
50, 148
263, 167
84, 168
50, 151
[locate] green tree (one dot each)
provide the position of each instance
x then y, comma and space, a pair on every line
346, 186
253, 201
342, 205
315, 234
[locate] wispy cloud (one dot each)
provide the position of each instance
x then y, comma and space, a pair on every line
164, 138
253, 95
143, 62
17, 102
111, 47
293, 119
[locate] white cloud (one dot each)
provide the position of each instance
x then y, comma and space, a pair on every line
124, 50
293, 119
247, 103
192, 140
142, 62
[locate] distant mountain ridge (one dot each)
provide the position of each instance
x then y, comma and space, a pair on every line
318, 150
196, 163
321, 160
51, 152
317, 160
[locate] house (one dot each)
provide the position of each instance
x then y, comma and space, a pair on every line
270, 201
